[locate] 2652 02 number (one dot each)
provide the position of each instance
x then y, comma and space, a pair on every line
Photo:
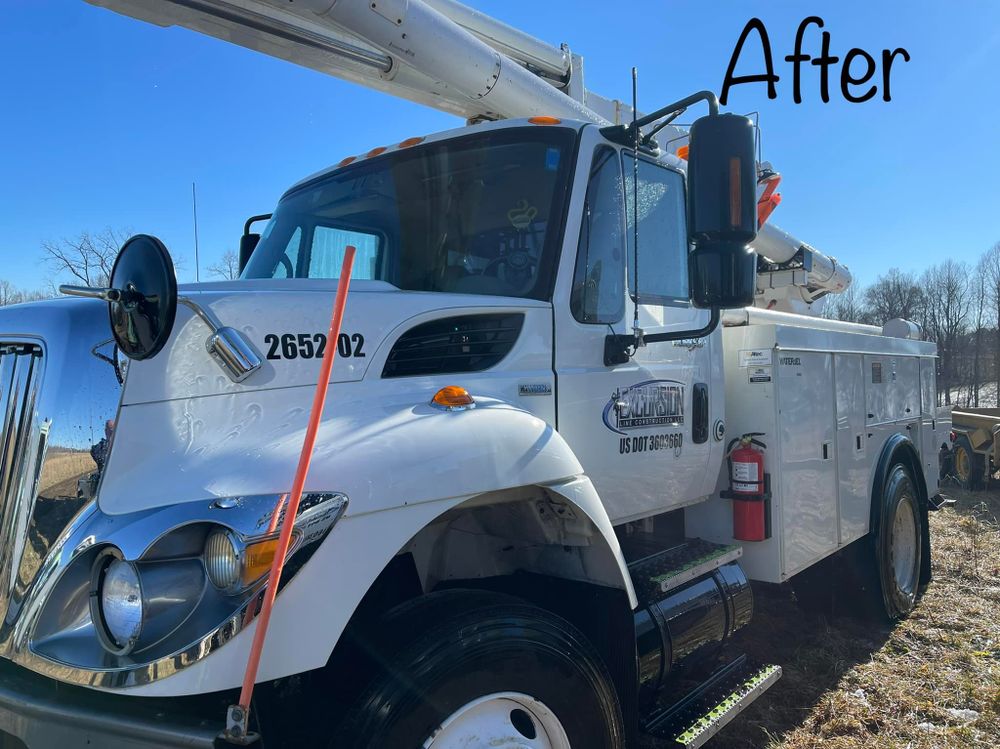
311, 345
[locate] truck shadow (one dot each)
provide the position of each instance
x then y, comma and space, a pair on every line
814, 649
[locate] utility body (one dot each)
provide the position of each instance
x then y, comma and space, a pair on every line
526, 522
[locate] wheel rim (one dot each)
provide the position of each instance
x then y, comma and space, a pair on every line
904, 545
963, 466
506, 720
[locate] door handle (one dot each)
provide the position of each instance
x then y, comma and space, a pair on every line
699, 416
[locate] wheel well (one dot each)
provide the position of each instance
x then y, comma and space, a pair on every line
527, 542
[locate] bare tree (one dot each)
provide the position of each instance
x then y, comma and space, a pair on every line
88, 259
894, 294
978, 290
848, 305
10, 294
990, 268
228, 267
948, 303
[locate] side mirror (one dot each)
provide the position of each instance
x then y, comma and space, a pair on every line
722, 211
249, 240
142, 304
248, 243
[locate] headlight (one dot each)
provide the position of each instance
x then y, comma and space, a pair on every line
222, 559
120, 603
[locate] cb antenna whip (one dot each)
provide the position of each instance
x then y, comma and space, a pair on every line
636, 330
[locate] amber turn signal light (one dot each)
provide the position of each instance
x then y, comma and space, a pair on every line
258, 559
453, 396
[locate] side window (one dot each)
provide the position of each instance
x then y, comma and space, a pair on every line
599, 280
327, 253
663, 240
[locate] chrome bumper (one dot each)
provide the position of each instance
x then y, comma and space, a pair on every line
43, 714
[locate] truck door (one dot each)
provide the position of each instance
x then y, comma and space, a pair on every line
632, 424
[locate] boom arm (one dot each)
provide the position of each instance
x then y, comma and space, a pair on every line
407, 48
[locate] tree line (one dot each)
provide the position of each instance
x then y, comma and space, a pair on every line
957, 305
87, 260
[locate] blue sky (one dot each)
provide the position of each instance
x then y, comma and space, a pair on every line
107, 121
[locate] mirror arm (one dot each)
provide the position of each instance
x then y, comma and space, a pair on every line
231, 350
207, 316
616, 347
92, 292
625, 134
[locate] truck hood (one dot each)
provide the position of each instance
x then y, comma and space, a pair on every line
287, 321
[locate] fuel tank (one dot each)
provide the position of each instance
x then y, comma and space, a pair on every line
689, 622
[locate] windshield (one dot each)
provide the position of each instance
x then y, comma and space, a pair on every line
475, 215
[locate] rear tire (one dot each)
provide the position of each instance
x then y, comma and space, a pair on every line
472, 669
898, 544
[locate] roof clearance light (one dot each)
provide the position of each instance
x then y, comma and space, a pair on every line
543, 120
411, 142
376, 151
453, 398
348, 160
682, 152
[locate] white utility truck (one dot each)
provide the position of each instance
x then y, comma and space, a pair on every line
582, 397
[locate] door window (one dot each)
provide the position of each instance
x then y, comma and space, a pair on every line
599, 280
663, 241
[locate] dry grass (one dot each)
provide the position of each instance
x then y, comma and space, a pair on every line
933, 680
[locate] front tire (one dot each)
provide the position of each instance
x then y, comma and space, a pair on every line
899, 544
469, 669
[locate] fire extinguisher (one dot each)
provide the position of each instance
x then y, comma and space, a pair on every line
748, 488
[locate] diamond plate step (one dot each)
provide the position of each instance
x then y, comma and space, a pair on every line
695, 719
669, 569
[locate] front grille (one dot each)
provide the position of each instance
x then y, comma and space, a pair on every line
467, 343
20, 375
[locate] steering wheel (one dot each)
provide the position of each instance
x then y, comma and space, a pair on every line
287, 265
518, 261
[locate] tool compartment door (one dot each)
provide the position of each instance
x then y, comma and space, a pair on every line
807, 474
852, 447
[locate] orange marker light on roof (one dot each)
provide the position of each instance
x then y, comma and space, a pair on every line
411, 142
376, 151
682, 152
348, 160
453, 397
545, 120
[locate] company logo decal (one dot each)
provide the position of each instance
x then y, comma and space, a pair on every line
653, 403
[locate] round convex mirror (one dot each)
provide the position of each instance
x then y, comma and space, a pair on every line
143, 316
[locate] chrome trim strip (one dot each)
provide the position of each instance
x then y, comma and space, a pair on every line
20, 375
135, 535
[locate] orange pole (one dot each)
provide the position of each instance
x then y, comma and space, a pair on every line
292, 505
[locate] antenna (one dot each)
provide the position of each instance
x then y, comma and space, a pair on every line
636, 330
194, 209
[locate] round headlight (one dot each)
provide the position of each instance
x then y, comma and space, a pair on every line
222, 559
121, 604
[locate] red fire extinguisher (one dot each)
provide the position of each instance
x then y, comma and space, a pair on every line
748, 488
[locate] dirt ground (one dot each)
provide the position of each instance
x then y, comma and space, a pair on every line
931, 681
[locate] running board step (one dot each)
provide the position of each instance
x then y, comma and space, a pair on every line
674, 567
709, 708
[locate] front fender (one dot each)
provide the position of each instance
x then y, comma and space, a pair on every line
402, 466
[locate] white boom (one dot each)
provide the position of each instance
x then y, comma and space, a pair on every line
448, 56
